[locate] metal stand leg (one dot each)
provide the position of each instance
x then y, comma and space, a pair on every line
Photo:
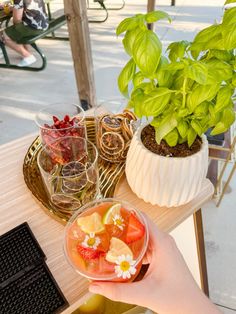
108, 8
226, 185
201, 250
230, 152
103, 7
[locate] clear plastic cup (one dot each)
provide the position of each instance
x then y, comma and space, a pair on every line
60, 120
106, 240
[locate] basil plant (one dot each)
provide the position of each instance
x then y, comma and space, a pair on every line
187, 92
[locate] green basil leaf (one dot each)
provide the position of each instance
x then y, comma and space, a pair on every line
129, 39
215, 42
222, 55
192, 134
156, 121
126, 76
227, 119
174, 66
219, 128
136, 92
234, 63
204, 123
147, 87
164, 77
177, 50
196, 71
183, 128
176, 102
202, 109
138, 79
201, 93
229, 36
138, 98
218, 71
127, 24
182, 140
196, 125
183, 112
229, 17
147, 62
154, 16
172, 138
206, 34
234, 80
208, 38
178, 80
229, 1
223, 98
168, 123
214, 117
156, 102
196, 48
130, 104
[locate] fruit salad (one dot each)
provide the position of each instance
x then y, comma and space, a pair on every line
106, 241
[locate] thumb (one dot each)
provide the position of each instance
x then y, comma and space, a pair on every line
122, 292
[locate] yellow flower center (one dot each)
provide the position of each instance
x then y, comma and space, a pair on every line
91, 241
118, 222
124, 266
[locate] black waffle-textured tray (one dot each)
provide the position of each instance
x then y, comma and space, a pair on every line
26, 284
18, 250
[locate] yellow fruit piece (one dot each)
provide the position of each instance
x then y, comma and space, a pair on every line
91, 223
111, 212
117, 248
94, 305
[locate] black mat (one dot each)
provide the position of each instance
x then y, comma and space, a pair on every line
26, 284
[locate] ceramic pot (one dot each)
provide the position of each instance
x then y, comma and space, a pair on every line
165, 181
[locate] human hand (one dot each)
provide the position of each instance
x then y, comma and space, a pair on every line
168, 286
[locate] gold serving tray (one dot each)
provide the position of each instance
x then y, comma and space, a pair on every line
109, 175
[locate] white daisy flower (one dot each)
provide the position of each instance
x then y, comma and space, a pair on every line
118, 221
91, 241
125, 266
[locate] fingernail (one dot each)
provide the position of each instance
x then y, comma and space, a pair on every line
94, 288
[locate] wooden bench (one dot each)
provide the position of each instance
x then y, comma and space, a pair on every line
54, 24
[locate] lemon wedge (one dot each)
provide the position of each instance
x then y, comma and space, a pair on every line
91, 223
117, 248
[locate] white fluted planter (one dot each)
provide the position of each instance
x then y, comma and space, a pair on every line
165, 181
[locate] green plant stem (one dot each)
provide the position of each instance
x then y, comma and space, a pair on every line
184, 92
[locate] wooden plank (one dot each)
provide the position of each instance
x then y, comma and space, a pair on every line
77, 21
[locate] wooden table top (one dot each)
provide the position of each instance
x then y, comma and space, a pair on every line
18, 205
